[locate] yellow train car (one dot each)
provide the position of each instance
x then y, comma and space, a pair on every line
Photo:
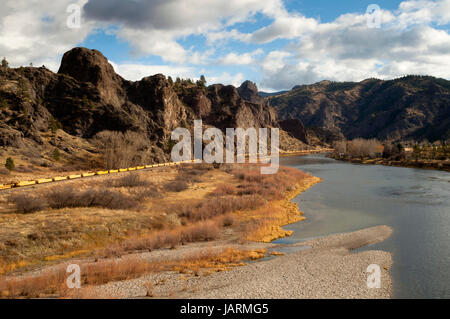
88, 174
25, 183
44, 180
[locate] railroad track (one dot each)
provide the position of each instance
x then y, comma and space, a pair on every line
121, 170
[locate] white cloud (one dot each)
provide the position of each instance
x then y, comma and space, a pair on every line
274, 61
36, 31
421, 11
135, 72
287, 26
347, 50
154, 27
240, 59
226, 78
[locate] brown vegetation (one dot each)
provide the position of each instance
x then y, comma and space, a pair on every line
121, 215
53, 282
408, 154
358, 148
122, 149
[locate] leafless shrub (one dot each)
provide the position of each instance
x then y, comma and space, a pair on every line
27, 203
140, 193
69, 197
271, 186
203, 231
46, 283
360, 147
340, 147
122, 149
4, 171
192, 173
227, 220
129, 180
197, 168
200, 231
220, 206
224, 189
176, 186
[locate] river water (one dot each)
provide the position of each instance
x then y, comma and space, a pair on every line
414, 202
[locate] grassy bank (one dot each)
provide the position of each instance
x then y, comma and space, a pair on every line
443, 165
107, 219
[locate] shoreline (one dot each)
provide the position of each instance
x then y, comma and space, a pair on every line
252, 279
283, 212
326, 269
421, 164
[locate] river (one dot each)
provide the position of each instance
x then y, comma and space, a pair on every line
414, 202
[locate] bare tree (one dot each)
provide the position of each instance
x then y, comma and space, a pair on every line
123, 149
340, 148
360, 147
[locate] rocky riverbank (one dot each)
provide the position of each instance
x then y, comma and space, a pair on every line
321, 268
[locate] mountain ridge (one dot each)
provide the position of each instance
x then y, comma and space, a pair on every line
87, 97
411, 107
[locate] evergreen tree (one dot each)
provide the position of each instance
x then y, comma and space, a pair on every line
202, 81
5, 64
10, 164
56, 154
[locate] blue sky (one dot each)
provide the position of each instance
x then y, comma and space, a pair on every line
275, 43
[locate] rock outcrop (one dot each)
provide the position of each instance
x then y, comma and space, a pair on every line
413, 107
87, 97
296, 129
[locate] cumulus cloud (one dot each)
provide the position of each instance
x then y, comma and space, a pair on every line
240, 59
412, 39
153, 27
287, 26
36, 31
135, 72
348, 50
185, 15
226, 78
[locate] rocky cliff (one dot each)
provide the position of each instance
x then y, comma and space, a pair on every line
87, 97
413, 107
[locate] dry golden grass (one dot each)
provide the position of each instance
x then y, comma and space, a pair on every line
265, 224
50, 234
197, 232
231, 196
38, 161
53, 282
